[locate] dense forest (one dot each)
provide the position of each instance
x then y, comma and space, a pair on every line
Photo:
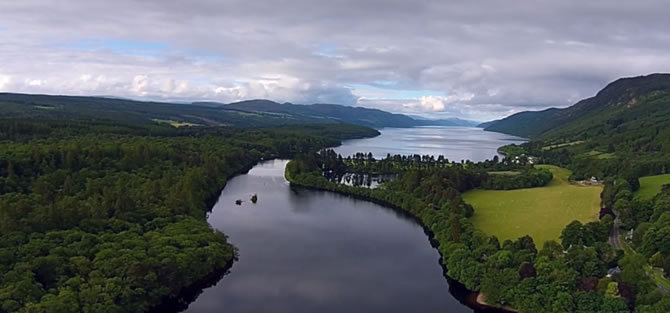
252, 113
105, 217
567, 276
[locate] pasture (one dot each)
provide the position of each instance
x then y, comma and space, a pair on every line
651, 186
540, 212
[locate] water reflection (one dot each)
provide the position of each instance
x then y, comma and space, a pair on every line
359, 180
311, 251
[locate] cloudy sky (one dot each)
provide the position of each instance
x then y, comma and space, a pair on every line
471, 59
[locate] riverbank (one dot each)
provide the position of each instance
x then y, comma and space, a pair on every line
180, 302
474, 300
480, 299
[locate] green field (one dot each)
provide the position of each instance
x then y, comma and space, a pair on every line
651, 186
175, 123
561, 145
540, 212
600, 155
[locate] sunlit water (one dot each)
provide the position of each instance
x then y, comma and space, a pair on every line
455, 143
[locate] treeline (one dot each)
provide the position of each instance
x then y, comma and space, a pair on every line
493, 174
528, 178
649, 221
561, 277
103, 217
585, 160
391, 164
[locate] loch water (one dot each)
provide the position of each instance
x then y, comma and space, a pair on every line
302, 250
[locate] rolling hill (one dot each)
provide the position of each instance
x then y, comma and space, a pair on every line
252, 113
354, 115
631, 112
130, 111
333, 112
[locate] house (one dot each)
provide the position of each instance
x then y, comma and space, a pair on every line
629, 235
613, 271
594, 180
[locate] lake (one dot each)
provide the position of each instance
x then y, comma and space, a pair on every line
312, 251
455, 143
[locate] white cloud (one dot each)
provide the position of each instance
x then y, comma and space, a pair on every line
140, 84
428, 103
464, 61
34, 82
5, 81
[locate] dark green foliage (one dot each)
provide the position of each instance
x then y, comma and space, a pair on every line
526, 179
254, 113
576, 234
624, 131
637, 103
131, 111
103, 217
355, 115
514, 274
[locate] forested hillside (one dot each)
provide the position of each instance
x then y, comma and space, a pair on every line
109, 217
355, 115
636, 107
253, 113
131, 111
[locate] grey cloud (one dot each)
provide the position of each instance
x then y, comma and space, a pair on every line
485, 59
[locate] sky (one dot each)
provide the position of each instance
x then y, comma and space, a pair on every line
477, 60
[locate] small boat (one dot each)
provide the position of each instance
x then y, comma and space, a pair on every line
254, 198
238, 202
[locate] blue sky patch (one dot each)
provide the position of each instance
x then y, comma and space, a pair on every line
127, 47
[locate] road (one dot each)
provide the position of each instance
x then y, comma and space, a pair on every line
615, 241
614, 234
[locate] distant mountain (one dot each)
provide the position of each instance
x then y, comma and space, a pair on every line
14, 105
450, 122
252, 113
624, 106
354, 115
207, 104
487, 124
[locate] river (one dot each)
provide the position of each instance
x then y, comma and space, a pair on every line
313, 251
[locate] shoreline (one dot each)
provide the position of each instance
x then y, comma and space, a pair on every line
480, 299
180, 301
474, 299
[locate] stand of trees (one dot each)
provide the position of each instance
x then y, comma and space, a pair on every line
528, 178
104, 217
561, 277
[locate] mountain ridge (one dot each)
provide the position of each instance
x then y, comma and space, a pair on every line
623, 96
249, 113
357, 115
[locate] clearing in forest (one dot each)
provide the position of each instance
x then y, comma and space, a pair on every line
651, 186
540, 212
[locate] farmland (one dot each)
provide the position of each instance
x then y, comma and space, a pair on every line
539, 212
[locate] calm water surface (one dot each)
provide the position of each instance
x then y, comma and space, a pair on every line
455, 143
311, 251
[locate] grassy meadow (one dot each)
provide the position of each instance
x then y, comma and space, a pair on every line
176, 124
651, 186
540, 212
